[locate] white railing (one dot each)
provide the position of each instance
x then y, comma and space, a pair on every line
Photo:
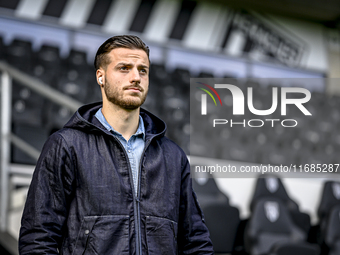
8, 74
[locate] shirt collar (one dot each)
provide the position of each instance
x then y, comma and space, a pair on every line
100, 116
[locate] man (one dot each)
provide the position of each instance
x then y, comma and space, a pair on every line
110, 182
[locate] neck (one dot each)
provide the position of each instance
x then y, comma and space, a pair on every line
122, 120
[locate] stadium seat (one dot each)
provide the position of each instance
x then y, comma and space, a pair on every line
49, 57
181, 76
271, 186
47, 64
27, 106
159, 75
229, 75
74, 85
77, 60
207, 190
205, 74
221, 219
329, 199
296, 249
19, 54
271, 230
332, 232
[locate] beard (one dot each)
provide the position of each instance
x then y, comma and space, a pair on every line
130, 102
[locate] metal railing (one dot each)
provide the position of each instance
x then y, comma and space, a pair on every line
8, 74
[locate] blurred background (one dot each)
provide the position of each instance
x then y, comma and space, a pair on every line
46, 54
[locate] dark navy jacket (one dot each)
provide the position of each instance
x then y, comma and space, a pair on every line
81, 198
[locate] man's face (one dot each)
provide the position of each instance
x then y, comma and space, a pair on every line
126, 78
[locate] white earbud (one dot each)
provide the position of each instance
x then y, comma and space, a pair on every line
100, 79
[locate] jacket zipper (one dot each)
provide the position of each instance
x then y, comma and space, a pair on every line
135, 195
138, 196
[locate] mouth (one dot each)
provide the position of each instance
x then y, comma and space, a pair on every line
134, 89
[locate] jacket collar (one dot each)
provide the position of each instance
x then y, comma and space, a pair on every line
84, 119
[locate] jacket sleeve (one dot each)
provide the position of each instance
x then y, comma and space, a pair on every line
46, 207
193, 235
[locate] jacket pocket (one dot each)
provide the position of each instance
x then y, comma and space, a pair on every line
161, 236
103, 235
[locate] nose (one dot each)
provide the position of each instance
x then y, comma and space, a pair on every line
135, 76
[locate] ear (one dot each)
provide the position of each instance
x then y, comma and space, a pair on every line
100, 74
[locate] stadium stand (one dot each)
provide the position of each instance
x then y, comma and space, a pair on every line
314, 140
35, 118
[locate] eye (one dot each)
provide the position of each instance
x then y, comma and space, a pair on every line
123, 68
143, 70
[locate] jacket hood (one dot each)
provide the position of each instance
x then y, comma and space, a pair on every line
84, 119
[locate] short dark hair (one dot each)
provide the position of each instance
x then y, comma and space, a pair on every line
119, 41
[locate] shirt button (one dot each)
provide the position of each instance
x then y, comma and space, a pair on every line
129, 151
87, 232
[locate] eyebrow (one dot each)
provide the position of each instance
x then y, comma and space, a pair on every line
144, 66
130, 64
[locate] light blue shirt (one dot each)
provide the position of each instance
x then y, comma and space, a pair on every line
134, 147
